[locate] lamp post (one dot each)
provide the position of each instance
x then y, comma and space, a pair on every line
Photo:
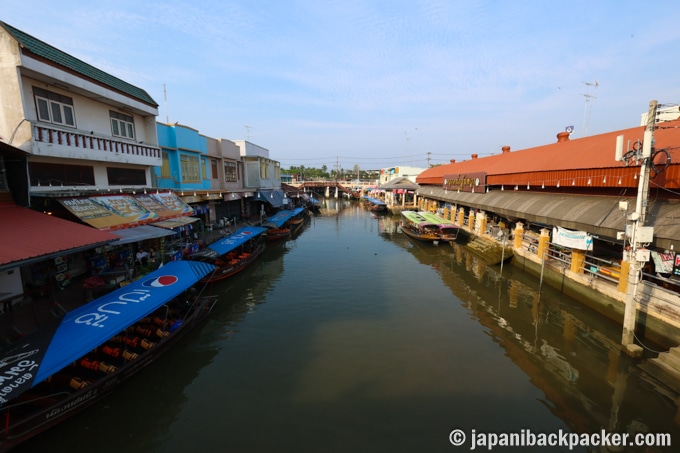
638, 235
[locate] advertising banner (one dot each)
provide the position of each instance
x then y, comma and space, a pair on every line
572, 239
113, 212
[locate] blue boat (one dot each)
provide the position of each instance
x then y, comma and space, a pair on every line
64, 367
375, 204
232, 253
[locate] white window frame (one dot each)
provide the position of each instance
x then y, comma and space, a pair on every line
122, 125
57, 112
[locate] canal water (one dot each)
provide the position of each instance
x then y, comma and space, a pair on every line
351, 337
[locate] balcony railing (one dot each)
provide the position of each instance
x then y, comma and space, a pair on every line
46, 134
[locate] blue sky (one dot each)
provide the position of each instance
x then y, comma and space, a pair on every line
378, 83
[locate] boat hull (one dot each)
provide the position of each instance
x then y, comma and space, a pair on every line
49, 410
227, 270
418, 235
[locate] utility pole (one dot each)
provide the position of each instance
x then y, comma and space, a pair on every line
638, 235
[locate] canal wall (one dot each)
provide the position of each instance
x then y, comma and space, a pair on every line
658, 317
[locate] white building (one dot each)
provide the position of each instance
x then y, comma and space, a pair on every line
390, 173
83, 129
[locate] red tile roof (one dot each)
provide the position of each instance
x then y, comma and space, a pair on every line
30, 234
591, 152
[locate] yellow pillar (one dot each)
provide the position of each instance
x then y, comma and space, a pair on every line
461, 217
482, 222
623, 277
471, 221
543, 242
519, 235
578, 257
445, 213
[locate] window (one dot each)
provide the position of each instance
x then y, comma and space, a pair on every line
190, 168
122, 125
213, 168
230, 172
43, 174
125, 176
54, 108
165, 166
204, 165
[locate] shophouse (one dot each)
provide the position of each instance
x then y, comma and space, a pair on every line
261, 180
81, 146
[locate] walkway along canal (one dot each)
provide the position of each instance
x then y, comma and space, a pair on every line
351, 337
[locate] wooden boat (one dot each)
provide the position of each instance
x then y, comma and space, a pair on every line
417, 227
275, 234
448, 231
278, 225
297, 220
65, 367
375, 205
232, 253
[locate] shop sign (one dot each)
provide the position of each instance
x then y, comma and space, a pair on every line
466, 182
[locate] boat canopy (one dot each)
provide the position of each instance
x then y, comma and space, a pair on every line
278, 219
417, 219
434, 218
41, 354
374, 200
237, 238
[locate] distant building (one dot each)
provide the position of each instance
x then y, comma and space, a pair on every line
390, 173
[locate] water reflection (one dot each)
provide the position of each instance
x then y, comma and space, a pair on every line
571, 353
350, 336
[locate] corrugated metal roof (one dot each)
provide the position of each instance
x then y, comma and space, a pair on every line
29, 234
591, 152
596, 215
48, 52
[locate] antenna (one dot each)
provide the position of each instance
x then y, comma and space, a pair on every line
248, 128
165, 96
589, 105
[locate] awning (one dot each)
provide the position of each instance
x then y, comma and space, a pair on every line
140, 233
31, 236
232, 196
273, 197
176, 222
61, 342
597, 215
248, 194
110, 212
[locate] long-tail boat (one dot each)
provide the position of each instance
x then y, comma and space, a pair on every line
232, 253
64, 367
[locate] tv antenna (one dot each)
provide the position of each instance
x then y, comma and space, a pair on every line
588, 109
248, 128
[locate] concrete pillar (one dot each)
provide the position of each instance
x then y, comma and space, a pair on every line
623, 276
461, 217
481, 218
445, 213
519, 235
471, 221
578, 257
543, 243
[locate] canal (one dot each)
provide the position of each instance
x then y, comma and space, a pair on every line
351, 337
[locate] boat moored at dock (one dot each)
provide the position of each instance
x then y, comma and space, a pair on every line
232, 253
73, 362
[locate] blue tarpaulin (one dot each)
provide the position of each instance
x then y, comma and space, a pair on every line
87, 327
39, 355
239, 237
278, 219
